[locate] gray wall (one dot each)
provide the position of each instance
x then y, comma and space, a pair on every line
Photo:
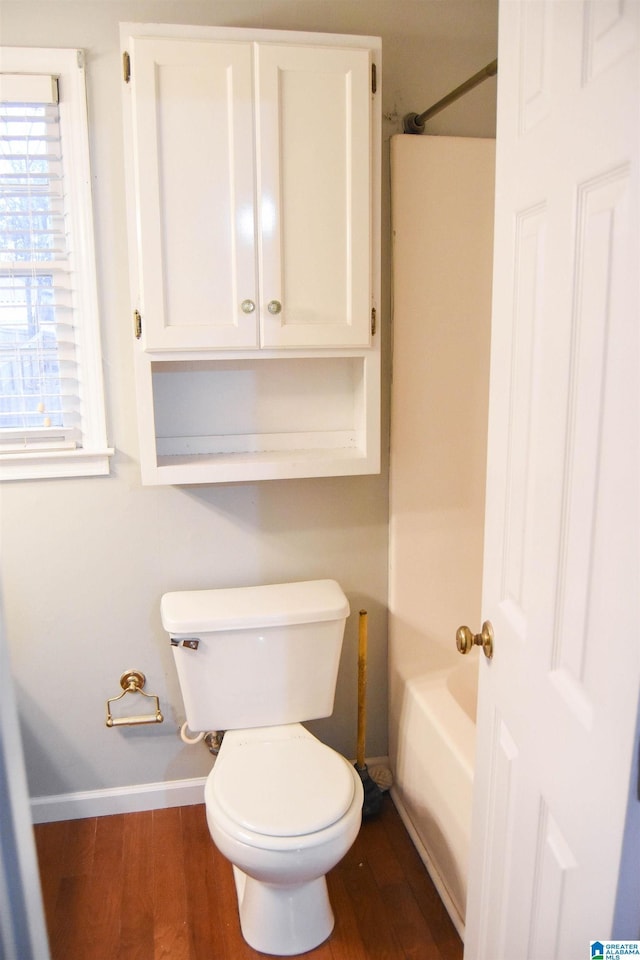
84, 562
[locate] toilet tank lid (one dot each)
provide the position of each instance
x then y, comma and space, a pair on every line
234, 608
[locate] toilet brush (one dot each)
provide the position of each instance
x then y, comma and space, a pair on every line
372, 793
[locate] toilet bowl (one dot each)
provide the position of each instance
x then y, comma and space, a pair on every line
284, 809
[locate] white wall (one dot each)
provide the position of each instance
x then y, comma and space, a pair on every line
84, 562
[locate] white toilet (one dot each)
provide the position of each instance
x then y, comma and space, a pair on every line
281, 806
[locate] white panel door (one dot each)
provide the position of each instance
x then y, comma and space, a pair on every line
192, 106
314, 161
558, 703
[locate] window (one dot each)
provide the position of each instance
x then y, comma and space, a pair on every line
52, 420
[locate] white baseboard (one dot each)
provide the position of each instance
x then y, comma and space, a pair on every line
131, 799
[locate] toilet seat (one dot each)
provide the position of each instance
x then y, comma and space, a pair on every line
283, 788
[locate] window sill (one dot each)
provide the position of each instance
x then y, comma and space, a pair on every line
41, 464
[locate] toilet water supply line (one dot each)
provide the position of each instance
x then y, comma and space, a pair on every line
184, 736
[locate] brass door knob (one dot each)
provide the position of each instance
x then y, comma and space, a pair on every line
466, 640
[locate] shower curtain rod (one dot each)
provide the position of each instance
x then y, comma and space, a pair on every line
414, 122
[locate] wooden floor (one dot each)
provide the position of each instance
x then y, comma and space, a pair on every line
152, 886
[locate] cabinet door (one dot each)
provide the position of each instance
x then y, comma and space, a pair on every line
314, 174
195, 198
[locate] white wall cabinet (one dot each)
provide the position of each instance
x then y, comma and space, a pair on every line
253, 161
253, 196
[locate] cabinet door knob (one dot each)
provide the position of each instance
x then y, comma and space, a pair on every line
247, 306
274, 306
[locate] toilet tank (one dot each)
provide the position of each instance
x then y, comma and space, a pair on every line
256, 656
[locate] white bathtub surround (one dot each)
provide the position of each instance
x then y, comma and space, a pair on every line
442, 203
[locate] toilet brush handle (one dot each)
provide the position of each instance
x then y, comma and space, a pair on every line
362, 687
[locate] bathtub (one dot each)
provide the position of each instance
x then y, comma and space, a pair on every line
432, 746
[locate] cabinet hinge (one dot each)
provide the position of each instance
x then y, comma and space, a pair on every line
137, 324
126, 67
374, 79
373, 321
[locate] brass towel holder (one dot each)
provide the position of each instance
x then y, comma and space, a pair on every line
132, 681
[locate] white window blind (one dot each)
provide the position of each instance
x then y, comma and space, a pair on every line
51, 404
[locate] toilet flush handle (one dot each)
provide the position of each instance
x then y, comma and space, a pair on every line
191, 643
